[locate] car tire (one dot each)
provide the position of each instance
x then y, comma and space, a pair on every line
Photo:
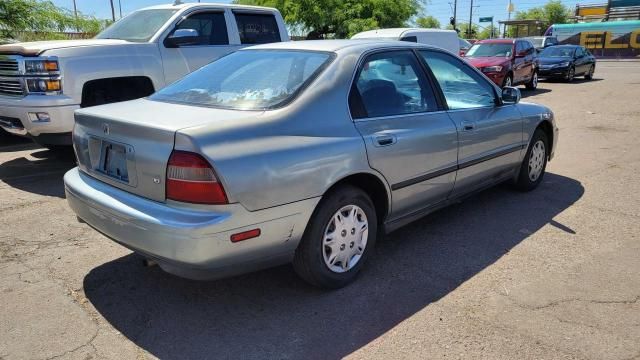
571, 74
508, 81
534, 163
533, 83
589, 74
329, 266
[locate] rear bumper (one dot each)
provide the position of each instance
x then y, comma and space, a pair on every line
192, 242
14, 116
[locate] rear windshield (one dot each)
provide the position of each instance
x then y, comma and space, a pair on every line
490, 50
249, 79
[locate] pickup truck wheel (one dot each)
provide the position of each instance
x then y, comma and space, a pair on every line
534, 163
339, 238
533, 83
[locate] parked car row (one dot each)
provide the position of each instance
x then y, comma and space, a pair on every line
232, 168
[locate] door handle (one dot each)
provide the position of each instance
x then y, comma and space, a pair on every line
385, 140
468, 126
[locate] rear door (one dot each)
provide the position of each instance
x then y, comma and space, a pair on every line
489, 134
519, 63
409, 139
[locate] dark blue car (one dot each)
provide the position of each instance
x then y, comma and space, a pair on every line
566, 62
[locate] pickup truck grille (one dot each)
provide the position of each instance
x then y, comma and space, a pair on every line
11, 87
9, 67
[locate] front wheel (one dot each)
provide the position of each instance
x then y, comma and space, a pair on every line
533, 83
589, 75
339, 238
508, 81
534, 163
571, 74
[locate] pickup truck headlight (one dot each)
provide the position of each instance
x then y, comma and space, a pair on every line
44, 85
41, 67
492, 69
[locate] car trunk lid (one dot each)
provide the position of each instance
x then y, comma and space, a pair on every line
128, 145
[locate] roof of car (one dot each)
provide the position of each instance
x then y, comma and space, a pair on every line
496, 41
397, 32
567, 45
336, 45
190, 5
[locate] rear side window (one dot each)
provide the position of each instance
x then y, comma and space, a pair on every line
257, 28
211, 28
463, 87
391, 83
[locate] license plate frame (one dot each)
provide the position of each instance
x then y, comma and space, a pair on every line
116, 161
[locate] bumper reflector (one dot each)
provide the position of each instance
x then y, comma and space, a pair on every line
246, 235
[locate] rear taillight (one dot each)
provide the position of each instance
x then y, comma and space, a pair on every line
190, 178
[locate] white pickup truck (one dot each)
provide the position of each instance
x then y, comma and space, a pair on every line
43, 83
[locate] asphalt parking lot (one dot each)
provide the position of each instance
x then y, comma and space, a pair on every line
550, 274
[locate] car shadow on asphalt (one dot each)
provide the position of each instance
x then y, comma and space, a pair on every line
40, 172
273, 314
527, 93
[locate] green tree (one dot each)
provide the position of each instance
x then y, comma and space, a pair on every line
553, 12
42, 17
428, 22
485, 33
464, 28
341, 18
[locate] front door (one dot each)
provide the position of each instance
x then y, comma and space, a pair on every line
489, 134
409, 139
212, 43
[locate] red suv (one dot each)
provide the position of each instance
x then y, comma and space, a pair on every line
507, 62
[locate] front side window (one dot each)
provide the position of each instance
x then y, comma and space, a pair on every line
257, 28
463, 88
211, 28
248, 80
139, 26
392, 83
490, 50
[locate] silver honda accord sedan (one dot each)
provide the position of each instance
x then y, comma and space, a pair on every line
302, 152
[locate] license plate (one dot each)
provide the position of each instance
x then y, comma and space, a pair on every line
114, 161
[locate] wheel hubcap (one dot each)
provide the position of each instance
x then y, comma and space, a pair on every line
571, 74
507, 82
536, 160
345, 239
535, 80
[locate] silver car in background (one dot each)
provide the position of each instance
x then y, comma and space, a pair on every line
300, 152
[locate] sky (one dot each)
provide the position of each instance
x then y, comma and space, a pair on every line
441, 9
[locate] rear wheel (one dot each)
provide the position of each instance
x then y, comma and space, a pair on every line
589, 74
534, 163
533, 83
339, 238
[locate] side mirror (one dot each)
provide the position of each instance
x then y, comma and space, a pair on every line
182, 37
510, 95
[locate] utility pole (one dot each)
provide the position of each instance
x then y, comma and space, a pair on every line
75, 12
470, 20
455, 9
113, 11
120, 7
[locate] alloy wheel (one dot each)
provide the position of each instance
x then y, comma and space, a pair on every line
536, 160
345, 239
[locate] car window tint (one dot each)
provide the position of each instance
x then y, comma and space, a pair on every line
463, 88
257, 28
211, 28
392, 83
240, 81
